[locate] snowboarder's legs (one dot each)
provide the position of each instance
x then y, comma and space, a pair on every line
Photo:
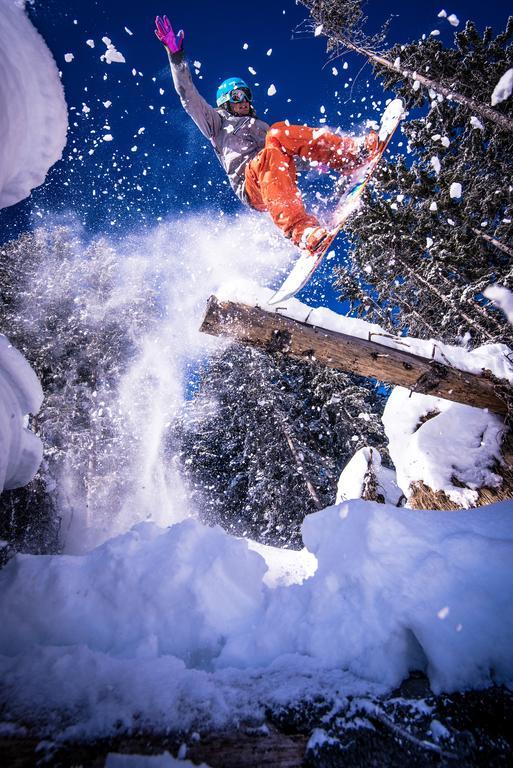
341, 153
271, 186
271, 175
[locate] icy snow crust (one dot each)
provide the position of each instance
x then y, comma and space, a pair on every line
20, 394
33, 112
176, 626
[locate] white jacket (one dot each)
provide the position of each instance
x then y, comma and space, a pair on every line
236, 140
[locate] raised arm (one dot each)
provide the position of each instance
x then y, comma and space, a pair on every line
205, 116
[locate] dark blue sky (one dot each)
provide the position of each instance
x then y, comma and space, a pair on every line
157, 162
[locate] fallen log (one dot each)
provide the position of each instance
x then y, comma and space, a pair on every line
273, 332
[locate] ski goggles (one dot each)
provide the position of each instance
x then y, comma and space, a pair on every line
239, 95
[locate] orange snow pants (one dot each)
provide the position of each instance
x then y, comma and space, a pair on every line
271, 175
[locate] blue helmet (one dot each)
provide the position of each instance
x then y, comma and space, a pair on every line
227, 86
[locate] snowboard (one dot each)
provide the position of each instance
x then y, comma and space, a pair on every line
308, 262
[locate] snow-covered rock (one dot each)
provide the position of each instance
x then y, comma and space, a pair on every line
20, 394
33, 112
434, 441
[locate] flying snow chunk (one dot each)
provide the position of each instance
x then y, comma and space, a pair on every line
68, 57
271, 90
128, 31
455, 190
318, 30
197, 64
434, 32
436, 165
504, 88
245, 47
108, 137
107, 104
269, 52
502, 298
90, 43
251, 70
442, 14
334, 71
475, 122
453, 20
111, 55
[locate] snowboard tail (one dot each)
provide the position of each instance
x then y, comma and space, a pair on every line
308, 262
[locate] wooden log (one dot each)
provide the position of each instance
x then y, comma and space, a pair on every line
276, 333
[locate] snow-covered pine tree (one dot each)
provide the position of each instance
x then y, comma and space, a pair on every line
59, 305
437, 229
263, 442
343, 23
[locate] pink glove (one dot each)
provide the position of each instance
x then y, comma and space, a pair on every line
165, 34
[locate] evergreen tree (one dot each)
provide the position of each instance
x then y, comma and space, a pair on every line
421, 247
343, 23
60, 306
264, 441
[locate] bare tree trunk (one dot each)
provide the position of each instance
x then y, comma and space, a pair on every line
300, 465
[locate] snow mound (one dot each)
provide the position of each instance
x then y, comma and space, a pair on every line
33, 112
20, 393
177, 626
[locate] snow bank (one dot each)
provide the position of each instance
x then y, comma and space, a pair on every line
33, 112
20, 394
176, 626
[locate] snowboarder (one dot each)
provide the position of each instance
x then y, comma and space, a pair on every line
258, 158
